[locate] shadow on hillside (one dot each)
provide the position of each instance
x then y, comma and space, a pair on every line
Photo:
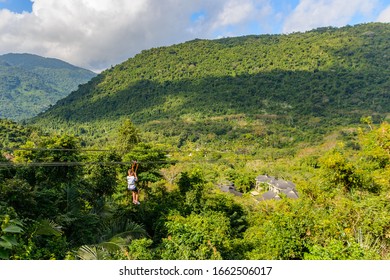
332, 94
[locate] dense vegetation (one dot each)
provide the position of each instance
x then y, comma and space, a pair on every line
30, 83
309, 107
295, 86
62, 202
13, 134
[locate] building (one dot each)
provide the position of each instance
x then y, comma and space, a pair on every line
271, 188
229, 188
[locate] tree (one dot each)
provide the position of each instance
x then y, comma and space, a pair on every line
192, 187
53, 160
340, 171
196, 237
102, 175
42, 239
127, 137
367, 120
376, 145
21, 196
7, 170
171, 173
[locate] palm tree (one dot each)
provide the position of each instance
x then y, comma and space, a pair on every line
119, 236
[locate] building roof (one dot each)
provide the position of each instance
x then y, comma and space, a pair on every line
277, 186
264, 178
290, 193
230, 189
279, 183
268, 195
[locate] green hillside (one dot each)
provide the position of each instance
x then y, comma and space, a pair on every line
203, 120
13, 134
61, 201
30, 83
311, 80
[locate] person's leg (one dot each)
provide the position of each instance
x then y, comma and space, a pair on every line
136, 197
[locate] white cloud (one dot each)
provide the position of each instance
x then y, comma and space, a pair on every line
97, 33
230, 17
310, 14
93, 33
384, 15
234, 12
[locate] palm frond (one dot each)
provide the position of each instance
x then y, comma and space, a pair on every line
86, 252
47, 227
135, 233
112, 245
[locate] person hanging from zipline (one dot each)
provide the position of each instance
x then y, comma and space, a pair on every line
131, 182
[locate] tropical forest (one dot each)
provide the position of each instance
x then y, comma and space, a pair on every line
261, 147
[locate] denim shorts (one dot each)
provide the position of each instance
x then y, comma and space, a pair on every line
132, 188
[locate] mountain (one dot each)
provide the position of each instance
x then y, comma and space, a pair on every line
30, 83
14, 134
276, 89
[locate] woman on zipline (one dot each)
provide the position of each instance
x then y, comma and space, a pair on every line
131, 179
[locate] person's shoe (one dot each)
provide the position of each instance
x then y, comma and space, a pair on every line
137, 202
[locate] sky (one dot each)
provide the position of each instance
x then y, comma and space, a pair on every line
98, 34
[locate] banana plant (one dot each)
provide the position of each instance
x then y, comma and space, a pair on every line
10, 228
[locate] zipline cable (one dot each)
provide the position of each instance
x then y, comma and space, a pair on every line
55, 149
80, 163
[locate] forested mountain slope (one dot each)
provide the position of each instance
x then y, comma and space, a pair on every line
305, 81
13, 134
237, 108
31, 83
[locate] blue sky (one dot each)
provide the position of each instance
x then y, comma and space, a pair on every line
17, 6
96, 34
